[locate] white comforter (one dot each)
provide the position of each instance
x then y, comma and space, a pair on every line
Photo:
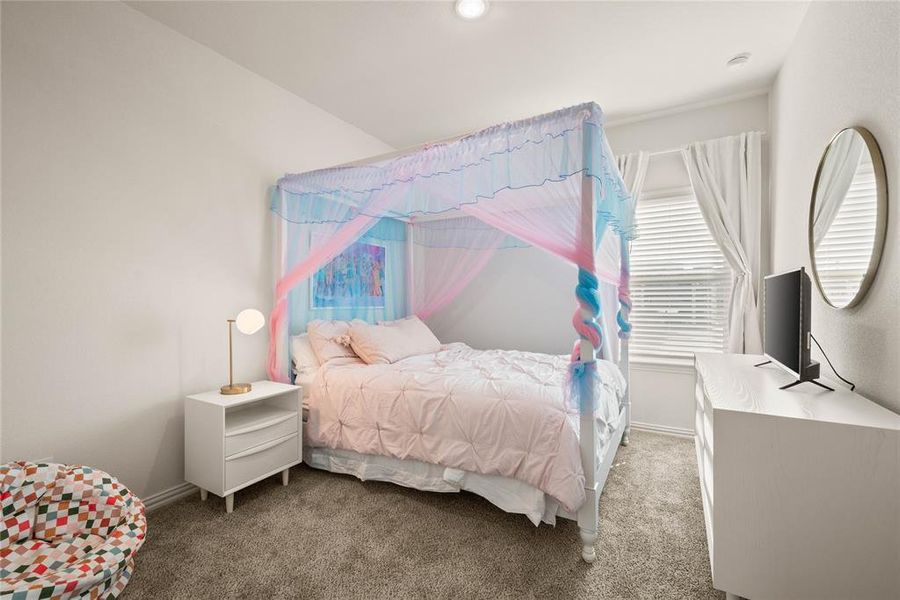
494, 412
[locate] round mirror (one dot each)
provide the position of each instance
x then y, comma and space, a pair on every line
848, 217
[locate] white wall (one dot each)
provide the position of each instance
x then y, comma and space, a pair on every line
135, 222
1, 247
843, 70
524, 297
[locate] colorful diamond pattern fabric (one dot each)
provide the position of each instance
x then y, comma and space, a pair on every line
16, 528
83, 530
19, 488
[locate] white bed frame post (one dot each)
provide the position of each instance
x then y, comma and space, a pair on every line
625, 259
410, 273
623, 366
588, 514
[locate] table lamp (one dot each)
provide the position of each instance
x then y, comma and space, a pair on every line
248, 321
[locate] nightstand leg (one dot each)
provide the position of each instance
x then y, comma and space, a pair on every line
203, 495
229, 503
284, 476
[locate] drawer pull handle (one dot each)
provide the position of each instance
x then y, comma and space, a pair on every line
261, 424
261, 447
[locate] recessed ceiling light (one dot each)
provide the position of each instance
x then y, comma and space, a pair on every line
738, 61
471, 9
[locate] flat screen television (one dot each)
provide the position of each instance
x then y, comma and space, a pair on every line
787, 298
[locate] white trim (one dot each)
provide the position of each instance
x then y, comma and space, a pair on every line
664, 429
687, 107
165, 497
662, 365
683, 147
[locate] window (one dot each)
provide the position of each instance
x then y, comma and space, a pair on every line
680, 282
842, 257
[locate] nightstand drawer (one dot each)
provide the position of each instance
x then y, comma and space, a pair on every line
265, 428
261, 460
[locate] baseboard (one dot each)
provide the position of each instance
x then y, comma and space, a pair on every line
160, 499
661, 366
676, 431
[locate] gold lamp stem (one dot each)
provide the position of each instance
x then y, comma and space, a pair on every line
230, 358
232, 387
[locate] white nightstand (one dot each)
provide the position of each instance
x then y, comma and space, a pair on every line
231, 442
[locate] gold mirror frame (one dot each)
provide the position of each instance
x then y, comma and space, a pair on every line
880, 222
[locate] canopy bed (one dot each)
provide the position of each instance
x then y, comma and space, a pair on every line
395, 239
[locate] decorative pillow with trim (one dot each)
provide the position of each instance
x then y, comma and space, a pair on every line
390, 341
330, 340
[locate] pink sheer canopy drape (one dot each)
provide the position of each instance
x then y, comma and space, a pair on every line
338, 235
447, 255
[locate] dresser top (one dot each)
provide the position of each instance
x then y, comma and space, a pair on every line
733, 383
261, 390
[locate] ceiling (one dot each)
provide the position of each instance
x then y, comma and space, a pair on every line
410, 72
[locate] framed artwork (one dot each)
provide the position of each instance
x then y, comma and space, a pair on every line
353, 279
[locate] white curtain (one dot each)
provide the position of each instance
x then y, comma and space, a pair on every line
726, 175
633, 168
837, 174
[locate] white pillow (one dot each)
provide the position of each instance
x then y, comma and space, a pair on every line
391, 341
302, 354
330, 340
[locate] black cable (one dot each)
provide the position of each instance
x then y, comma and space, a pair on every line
850, 383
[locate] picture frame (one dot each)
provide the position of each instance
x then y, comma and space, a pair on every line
355, 278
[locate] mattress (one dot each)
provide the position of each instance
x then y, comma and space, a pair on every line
485, 412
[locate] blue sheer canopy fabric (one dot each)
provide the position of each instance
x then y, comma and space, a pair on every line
547, 151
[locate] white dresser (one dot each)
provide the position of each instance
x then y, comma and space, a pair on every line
231, 442
801, 487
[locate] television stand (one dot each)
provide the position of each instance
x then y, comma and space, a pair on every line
810, 373
799, 381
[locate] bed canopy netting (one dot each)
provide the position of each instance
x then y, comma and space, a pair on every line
417, 226
442, 210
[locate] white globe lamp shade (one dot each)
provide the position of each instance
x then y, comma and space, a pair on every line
470, 9
249, 321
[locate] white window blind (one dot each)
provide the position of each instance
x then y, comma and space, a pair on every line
680, 281
842, 257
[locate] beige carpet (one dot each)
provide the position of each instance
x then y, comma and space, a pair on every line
332, 536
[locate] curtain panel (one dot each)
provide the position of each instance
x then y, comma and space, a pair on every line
726, 175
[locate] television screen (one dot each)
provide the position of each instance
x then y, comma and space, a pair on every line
783, 298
